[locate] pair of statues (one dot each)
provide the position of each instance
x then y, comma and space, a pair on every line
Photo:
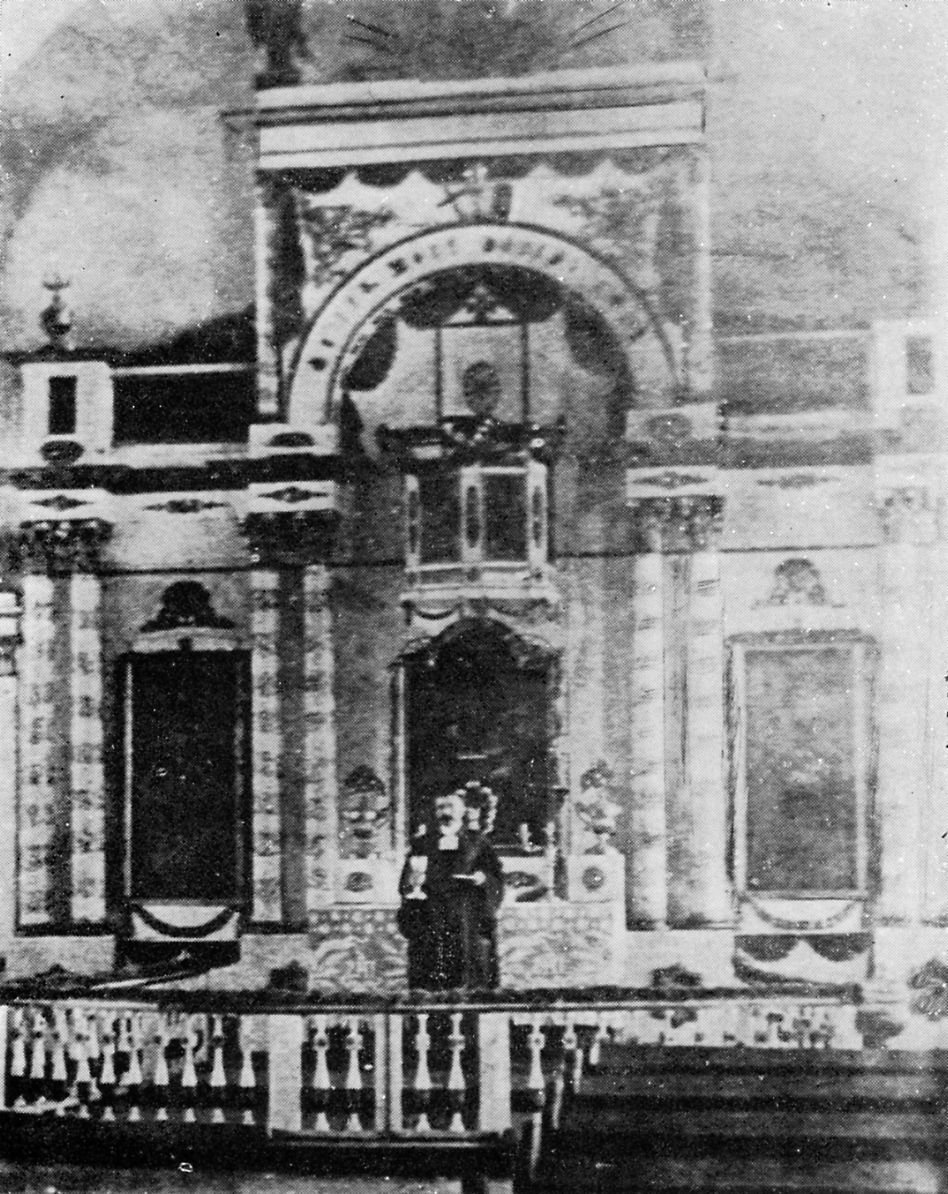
451, 888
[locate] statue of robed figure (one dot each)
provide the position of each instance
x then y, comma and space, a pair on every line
451, 889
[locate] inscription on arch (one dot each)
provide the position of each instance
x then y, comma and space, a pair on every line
340, 328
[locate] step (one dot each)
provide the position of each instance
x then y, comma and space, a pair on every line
818, 1087
687, 1172
615, 1056
638, 1120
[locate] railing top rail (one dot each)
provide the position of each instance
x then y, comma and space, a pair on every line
268, 1003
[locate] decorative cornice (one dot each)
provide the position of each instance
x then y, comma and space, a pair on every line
61, 545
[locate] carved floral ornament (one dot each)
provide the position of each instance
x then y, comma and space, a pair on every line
797, 581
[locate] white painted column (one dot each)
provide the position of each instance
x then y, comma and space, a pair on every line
700, 349
707, 885
647, 862
267, 742
86, 772
319, 713
902, 714
37, 819
9, 634
268, 383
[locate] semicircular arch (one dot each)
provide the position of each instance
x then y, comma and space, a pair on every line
340, 328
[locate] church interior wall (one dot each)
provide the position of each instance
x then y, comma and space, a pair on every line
805, 559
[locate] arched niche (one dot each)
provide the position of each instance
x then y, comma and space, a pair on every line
604, 317
185, 706
480, 704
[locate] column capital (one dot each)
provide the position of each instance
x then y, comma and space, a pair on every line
290, 540
677, 524
907, 512
61, 545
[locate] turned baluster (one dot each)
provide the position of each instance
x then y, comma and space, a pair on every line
321, 1083
132, 1077
535, 1096
354, 1075
93, 1049
217, 1082
600, 1036
558, 1083
536, 1039
83, 1084
37, 1083
422, 1084
161, 1078
455, 1088
123, 1045
247, 1079
16, 1091
107, 1072
59, 1075
573, 1056
189, 1080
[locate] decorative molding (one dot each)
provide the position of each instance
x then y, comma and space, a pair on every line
797, 581
795, 480
671, 480
333, 232
365, 815
189, 505
186, 604
60, 502
289, 495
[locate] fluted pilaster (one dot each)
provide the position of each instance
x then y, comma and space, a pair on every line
647, 863
293, 719
62, 815
705, 887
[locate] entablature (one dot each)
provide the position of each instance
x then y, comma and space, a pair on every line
408, 120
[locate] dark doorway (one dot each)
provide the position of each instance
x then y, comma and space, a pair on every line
479, 709
185, 772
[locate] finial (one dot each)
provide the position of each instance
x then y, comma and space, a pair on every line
56, 319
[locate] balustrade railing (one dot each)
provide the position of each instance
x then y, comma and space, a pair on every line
439, 1071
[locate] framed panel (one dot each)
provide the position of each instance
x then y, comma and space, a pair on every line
801, 765
185, 777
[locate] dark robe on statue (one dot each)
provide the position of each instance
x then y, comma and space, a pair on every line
452, 933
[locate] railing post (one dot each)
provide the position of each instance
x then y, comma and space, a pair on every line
380, 1086
4, 1018
285, 1086
493, 1046
396, 1073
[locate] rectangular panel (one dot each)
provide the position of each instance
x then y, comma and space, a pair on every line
440, 519
803, 810
505, 516
184, 816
